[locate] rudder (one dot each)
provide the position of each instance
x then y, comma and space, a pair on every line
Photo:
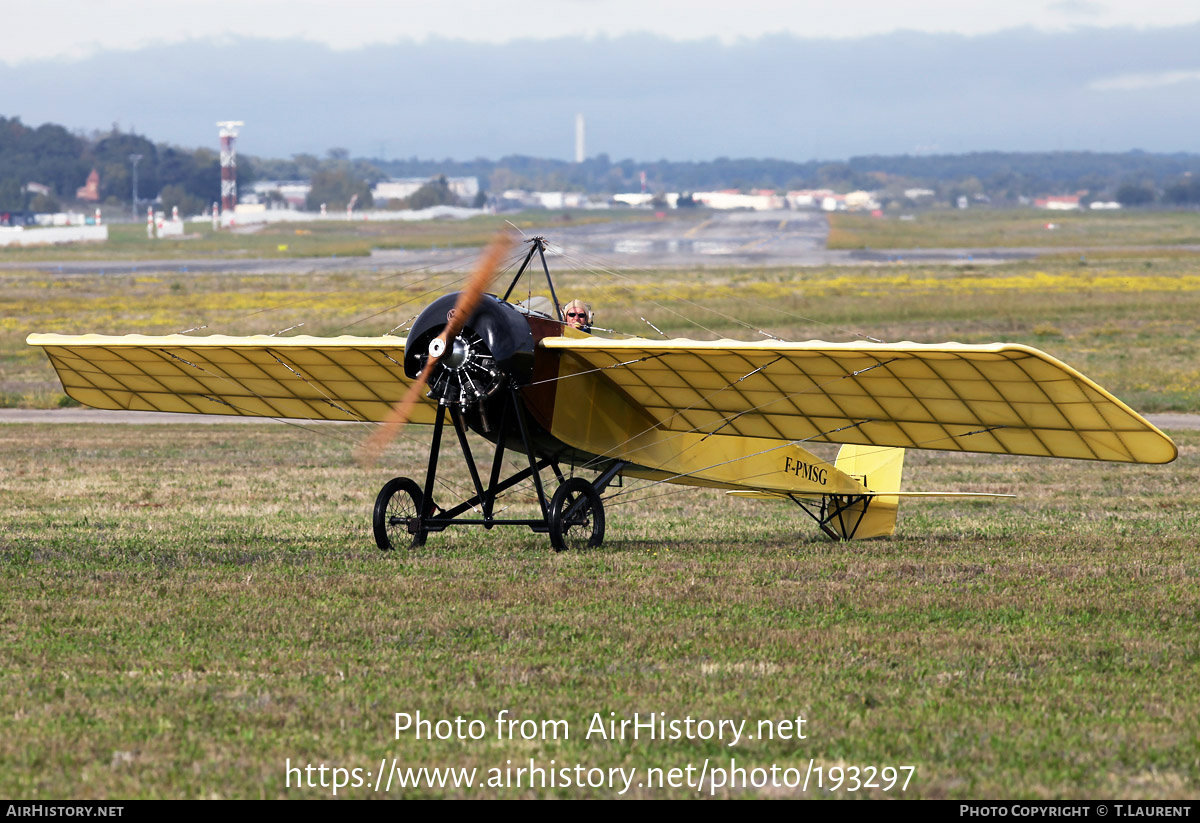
880, 468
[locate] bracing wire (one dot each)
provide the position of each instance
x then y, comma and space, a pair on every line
444, 267
616, 274
291, 422
768, 450
616, 282
441, 287
592, 264
878, 449
725, 421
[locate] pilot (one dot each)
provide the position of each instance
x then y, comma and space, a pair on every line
579, 315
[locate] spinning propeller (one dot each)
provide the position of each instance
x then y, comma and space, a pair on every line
489, 264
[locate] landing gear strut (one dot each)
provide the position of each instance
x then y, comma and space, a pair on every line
573, 517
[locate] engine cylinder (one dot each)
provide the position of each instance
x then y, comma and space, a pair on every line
495, 345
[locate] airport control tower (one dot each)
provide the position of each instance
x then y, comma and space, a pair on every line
229, 132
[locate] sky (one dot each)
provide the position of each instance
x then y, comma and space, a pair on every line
673, 79
75, 29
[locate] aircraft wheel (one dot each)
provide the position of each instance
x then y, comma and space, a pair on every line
576, 516
397, 506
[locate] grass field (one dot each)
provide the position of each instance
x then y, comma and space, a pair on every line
1129, 323
188, 609
984, 228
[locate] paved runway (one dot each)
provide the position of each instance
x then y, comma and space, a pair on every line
712, 239
1167, 422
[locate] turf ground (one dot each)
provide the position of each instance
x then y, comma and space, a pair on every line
187, 611
1015, 228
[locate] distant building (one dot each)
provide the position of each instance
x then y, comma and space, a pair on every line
560, 199
518, 199
758, 200
288, 194
466, 188
807, 198
635, 198
828, 200
1058, 202
400, 188
521, 199
90, 190
861, 201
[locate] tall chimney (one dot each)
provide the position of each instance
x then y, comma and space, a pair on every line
580, 155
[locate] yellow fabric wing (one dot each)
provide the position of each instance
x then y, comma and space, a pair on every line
997, 398
313, 378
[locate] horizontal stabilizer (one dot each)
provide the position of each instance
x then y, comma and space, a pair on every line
763, 495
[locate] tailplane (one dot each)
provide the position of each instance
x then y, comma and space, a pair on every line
870, 512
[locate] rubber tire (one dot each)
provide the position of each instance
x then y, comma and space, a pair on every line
399, 497
565, 536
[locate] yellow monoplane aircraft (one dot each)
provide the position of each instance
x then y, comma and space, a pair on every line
724, 414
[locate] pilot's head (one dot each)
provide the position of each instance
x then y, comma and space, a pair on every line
578, 315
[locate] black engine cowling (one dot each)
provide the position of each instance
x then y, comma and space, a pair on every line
494, 346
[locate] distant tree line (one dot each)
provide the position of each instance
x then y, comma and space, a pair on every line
1004, 177
61, 161
53, 157
167, 175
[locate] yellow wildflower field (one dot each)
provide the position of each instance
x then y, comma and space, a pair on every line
1128, 323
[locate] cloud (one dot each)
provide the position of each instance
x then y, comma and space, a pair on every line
1139, 81
644, 96
79, 28
1078, 8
